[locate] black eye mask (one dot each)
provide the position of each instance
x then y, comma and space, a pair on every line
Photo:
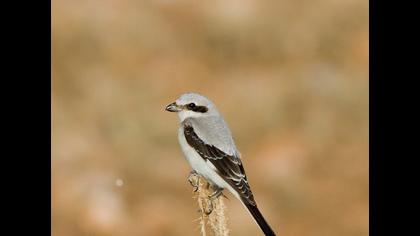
195, 108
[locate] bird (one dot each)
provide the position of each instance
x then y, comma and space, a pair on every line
209, 147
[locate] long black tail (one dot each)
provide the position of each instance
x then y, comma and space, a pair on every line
260, 219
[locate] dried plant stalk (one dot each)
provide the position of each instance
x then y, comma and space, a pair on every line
216, 220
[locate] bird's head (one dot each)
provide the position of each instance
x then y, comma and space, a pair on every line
192, 105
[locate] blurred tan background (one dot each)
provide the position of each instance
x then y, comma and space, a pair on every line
290, 78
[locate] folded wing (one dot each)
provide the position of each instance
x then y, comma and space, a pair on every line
229, 167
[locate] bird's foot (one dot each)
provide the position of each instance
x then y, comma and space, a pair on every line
217, 192
194, 180
209, 209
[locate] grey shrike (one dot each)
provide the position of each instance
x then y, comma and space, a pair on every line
209, 148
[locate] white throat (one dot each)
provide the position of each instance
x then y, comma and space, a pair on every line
188, 114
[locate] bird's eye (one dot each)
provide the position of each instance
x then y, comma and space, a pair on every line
191, 105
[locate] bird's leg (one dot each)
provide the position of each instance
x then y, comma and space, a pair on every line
193, 175
217, 192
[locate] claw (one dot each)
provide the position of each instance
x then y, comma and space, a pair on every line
196, 183
210, 207
217, 192
225, 196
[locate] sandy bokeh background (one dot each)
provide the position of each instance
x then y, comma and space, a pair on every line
290, 77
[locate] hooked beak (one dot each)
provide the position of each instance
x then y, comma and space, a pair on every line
173, 107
